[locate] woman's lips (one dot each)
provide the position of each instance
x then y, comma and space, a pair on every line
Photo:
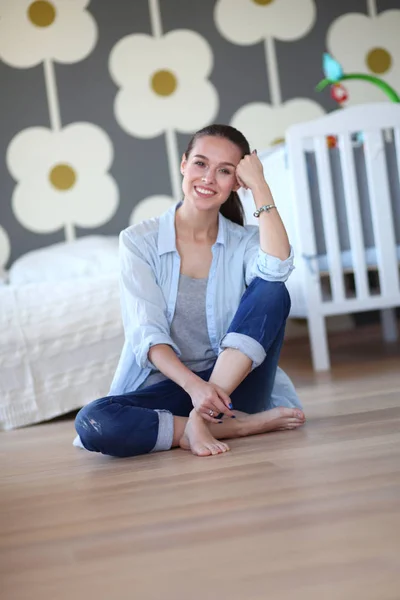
204, 192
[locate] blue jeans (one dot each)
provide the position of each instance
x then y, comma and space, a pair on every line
142, 421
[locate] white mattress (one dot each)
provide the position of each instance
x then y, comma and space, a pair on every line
59, 346
347, 259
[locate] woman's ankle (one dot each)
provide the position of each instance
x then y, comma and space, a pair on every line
179, 429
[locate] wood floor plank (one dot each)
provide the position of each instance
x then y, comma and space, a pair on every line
309, 514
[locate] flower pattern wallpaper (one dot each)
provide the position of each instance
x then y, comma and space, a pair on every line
99, 98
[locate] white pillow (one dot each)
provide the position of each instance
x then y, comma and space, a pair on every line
85, 257
3, 276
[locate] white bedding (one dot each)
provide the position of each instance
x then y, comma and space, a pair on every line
371, 259
89, 256
59, 346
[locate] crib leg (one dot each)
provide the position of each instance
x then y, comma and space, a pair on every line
319, 343
389, 325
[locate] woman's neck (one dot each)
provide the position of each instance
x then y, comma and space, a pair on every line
197, 226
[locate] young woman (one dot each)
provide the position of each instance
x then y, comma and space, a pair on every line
204, 307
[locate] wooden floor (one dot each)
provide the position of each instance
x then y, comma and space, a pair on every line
309, 514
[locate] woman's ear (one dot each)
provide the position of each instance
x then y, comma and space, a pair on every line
183, 163
236, 186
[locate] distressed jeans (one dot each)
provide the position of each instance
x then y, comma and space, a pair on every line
141, 421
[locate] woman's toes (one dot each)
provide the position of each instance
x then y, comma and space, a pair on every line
219, 448
201, 450
223, 447
291, 422
298, 414
205, 452
294, 413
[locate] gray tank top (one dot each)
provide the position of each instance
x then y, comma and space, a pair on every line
189, 328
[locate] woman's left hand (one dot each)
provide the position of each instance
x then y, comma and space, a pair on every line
249, 171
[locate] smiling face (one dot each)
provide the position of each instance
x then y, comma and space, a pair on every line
209, 172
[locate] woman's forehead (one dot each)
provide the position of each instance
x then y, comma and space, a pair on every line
217, 149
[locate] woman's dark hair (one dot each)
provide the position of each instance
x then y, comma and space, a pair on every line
231, 209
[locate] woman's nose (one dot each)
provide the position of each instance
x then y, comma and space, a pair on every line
209, 176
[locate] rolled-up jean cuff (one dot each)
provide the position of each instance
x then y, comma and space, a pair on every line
165, 431
246, 344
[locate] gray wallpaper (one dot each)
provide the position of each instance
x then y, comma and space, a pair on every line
141, 167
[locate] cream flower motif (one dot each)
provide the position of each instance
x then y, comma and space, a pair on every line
250, 21
153, 206
369, 45
62, 177
265, 125
163, 83
31, 31
4, 248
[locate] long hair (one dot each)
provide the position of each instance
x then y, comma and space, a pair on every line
231, 209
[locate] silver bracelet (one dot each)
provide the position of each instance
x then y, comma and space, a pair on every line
265, 208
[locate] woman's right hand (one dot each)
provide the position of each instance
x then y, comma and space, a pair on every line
209, 400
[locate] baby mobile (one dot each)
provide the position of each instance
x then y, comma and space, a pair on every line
334, 75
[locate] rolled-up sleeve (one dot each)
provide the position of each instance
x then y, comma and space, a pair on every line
260, 264
144, 310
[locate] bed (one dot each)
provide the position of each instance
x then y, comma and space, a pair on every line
61, 330
336, 184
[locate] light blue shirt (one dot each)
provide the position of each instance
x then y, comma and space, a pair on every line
149, 277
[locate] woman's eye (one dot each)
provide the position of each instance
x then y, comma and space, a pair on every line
225, 171
199, 163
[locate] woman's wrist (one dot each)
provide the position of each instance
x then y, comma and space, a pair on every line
262, 194
189, 381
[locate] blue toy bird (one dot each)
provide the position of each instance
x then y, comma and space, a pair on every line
332, 69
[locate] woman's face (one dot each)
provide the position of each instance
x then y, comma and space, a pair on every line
209, 172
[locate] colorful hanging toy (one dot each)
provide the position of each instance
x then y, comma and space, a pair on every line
334, 76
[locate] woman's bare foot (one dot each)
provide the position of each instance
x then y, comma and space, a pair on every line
275, 419
198, 439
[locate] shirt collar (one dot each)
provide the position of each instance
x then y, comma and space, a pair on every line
167, 234
166, 230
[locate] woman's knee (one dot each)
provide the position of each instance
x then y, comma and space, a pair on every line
116, 428
89, 425
271, 294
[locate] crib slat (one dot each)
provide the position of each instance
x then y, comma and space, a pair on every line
396, 131
352, 202
329, 218
308, 262
303, 218
381, 212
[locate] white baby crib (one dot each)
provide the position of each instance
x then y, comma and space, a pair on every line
341, 207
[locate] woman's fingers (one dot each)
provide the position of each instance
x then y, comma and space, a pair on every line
226, 401
213, 412
209, 413
211, 419
219, 406
214, 402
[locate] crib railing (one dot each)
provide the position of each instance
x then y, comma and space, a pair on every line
368, 124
